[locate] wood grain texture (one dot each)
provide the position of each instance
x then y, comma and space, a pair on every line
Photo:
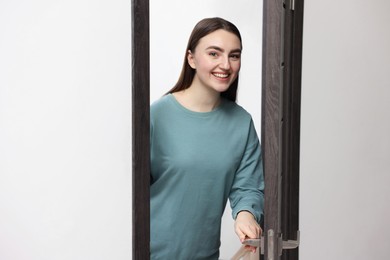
282, 55
271, 115
141, 130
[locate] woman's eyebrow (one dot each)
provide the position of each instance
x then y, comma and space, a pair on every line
222, 50
236, 50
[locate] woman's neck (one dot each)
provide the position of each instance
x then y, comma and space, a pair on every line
197, 100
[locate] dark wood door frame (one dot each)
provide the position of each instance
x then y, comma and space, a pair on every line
293, 33
281, 103
271, 118
281, 84
141, 129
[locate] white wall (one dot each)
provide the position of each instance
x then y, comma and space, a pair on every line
344, 207
171, 23
65, 133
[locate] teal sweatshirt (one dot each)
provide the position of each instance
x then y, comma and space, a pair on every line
198, 162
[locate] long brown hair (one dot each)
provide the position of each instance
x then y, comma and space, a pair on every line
201, 29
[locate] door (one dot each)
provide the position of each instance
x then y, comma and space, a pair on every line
282, 34
282, 55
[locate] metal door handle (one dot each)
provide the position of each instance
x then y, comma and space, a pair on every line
289, 244
259, 243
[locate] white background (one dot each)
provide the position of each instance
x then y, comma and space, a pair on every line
345, 143
65, 130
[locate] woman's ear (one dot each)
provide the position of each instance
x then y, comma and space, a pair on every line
190, 59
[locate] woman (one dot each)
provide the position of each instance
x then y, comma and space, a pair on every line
204, 150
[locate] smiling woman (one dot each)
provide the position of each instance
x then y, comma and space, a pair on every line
274, 64
210, 68
216, 60
170, 31
203, 145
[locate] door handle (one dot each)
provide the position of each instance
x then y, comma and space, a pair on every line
289, 244
259, 243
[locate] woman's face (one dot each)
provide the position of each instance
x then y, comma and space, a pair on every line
216, 60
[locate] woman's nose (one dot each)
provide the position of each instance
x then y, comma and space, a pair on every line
225, 63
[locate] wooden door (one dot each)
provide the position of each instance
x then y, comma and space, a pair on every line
282, 55
282, 35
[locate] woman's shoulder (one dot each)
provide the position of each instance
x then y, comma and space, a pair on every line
236, 110
160, 105
161, 102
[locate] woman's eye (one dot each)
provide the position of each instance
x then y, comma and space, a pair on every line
235, 56
214, 54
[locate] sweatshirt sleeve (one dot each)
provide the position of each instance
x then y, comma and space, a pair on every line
247, 192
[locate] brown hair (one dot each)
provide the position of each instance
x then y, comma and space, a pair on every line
201, 29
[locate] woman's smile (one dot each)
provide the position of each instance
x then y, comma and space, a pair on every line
221, 75
216, 61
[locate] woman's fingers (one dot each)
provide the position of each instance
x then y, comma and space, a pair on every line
251, 248
247, 227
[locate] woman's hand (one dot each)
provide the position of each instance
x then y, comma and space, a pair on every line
247, 227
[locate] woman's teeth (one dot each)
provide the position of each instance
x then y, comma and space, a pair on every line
221, 75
